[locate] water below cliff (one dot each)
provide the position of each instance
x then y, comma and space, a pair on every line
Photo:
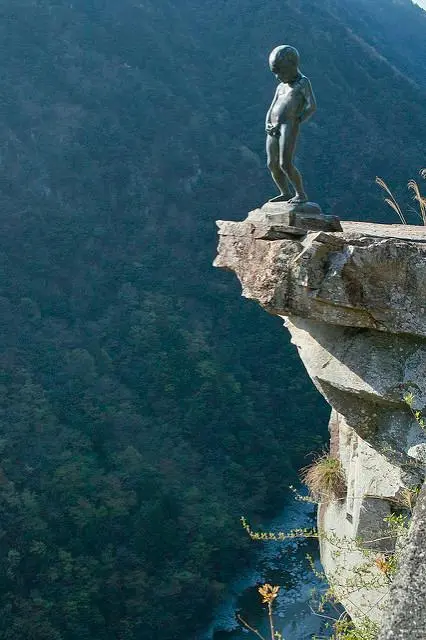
281, 564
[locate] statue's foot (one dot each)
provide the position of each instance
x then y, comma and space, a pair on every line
298, 199
283, 197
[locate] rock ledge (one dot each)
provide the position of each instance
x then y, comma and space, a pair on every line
354, 302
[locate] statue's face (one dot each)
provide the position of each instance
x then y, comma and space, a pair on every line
284, 69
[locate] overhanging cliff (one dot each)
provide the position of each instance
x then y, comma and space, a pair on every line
354, 302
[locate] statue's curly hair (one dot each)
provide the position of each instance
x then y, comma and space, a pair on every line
284, 52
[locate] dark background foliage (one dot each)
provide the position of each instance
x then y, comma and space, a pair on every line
144, 405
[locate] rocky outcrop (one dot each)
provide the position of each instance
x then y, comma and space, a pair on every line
406, 619
354, 302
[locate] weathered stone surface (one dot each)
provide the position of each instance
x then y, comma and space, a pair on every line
303, 216
364, 375
406, 617
374, 485
287, 208
352, 278
354, 302
343, 562
263, 230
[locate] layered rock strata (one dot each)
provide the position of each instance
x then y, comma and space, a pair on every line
354, 302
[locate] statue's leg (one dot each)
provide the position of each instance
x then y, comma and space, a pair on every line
280, 178
288, 139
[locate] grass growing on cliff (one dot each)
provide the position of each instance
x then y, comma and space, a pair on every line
417, 196
325, 478
409, 399
345, 629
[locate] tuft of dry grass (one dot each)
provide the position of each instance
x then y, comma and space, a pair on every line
325, 478
391, 200
406, 499
417, 196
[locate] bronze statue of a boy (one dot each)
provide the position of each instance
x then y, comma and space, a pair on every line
293, 103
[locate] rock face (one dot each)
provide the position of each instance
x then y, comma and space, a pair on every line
354, 302
406, 619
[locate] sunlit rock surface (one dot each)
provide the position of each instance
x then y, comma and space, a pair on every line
354, 302
406, 618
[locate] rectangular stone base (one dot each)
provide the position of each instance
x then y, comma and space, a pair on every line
307, 215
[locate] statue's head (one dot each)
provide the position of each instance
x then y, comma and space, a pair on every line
284, 62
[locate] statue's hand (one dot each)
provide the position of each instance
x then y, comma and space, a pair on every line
273, 130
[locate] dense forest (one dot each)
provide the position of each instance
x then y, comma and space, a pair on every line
145, 407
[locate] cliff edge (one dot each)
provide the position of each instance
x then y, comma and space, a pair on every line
354, 302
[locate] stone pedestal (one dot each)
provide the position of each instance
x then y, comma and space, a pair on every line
301, 217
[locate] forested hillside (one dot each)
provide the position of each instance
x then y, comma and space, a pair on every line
394, 28
144, 406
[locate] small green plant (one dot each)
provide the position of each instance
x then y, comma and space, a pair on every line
398, 524
271, 536
418, 416
344, 629
325, 478
341, 627
417, 196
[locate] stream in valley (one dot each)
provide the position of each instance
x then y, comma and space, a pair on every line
276, 563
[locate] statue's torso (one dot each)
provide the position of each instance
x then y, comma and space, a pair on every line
289, 102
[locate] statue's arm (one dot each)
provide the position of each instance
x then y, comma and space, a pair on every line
310, 102
268, 115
